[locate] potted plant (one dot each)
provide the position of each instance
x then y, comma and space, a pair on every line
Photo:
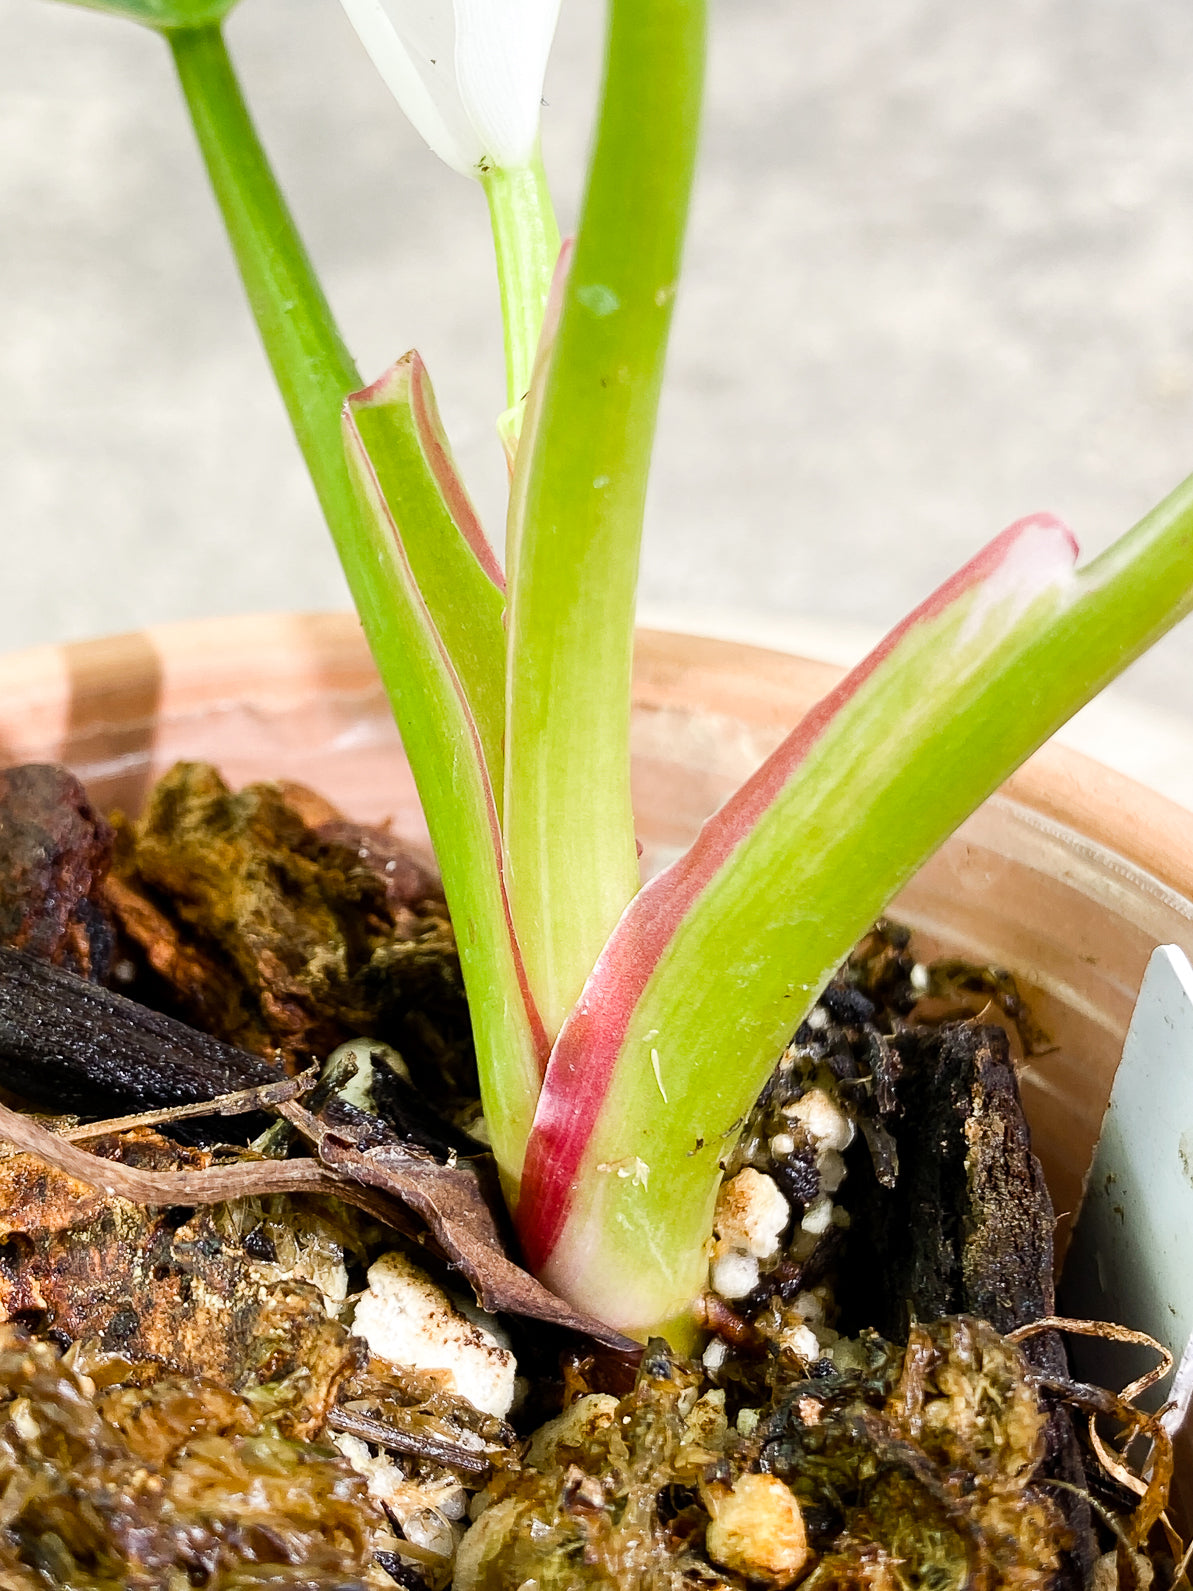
533, 824
624, 1030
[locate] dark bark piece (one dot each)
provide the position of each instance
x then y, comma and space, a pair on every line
405, 1109
967, 1228
55, 850
1007, 1229
402, 1573
68, 1045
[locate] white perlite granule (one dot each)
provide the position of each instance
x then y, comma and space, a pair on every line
751, 1215
406, 1319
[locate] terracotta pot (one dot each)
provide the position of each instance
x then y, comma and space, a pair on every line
1069, 876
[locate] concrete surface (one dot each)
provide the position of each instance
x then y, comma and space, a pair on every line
941, 275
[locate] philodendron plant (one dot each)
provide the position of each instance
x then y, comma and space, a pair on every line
623, 1031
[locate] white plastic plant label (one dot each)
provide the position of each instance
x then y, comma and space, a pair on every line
1130, 1258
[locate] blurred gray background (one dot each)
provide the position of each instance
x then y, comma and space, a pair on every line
940, 275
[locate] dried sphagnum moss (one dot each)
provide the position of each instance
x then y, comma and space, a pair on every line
916, 1469
264, 919
113, 1476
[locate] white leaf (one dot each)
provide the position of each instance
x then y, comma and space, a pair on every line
501, 59
469, 75
412, 45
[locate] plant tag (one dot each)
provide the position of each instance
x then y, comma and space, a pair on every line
1129, 1260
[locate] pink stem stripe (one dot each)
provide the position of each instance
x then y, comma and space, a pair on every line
538, 1031
589, 1044
433, 441
439, 460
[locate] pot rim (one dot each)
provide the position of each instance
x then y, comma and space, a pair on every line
60, 695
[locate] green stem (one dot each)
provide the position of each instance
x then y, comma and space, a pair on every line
316, 375
526, 240
1132, 592
314, 369
772, 903
576, 517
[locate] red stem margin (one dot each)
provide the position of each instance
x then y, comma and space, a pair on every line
542, 1043
434, 445
589, 1044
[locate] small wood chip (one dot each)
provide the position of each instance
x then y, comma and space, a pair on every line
248, 1179
430, 1448
238, 1104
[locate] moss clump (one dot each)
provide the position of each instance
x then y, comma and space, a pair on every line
266, 920
912, 1467
114, 1476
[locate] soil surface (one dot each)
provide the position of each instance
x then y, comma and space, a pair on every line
227, 1391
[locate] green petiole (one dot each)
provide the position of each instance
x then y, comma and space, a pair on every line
576, 511
526, 241
421, 654
314, 369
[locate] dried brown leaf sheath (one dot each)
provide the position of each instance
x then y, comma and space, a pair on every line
82, 1045
452, 1202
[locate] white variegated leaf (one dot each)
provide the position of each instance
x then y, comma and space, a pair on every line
501, 59
469, 75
